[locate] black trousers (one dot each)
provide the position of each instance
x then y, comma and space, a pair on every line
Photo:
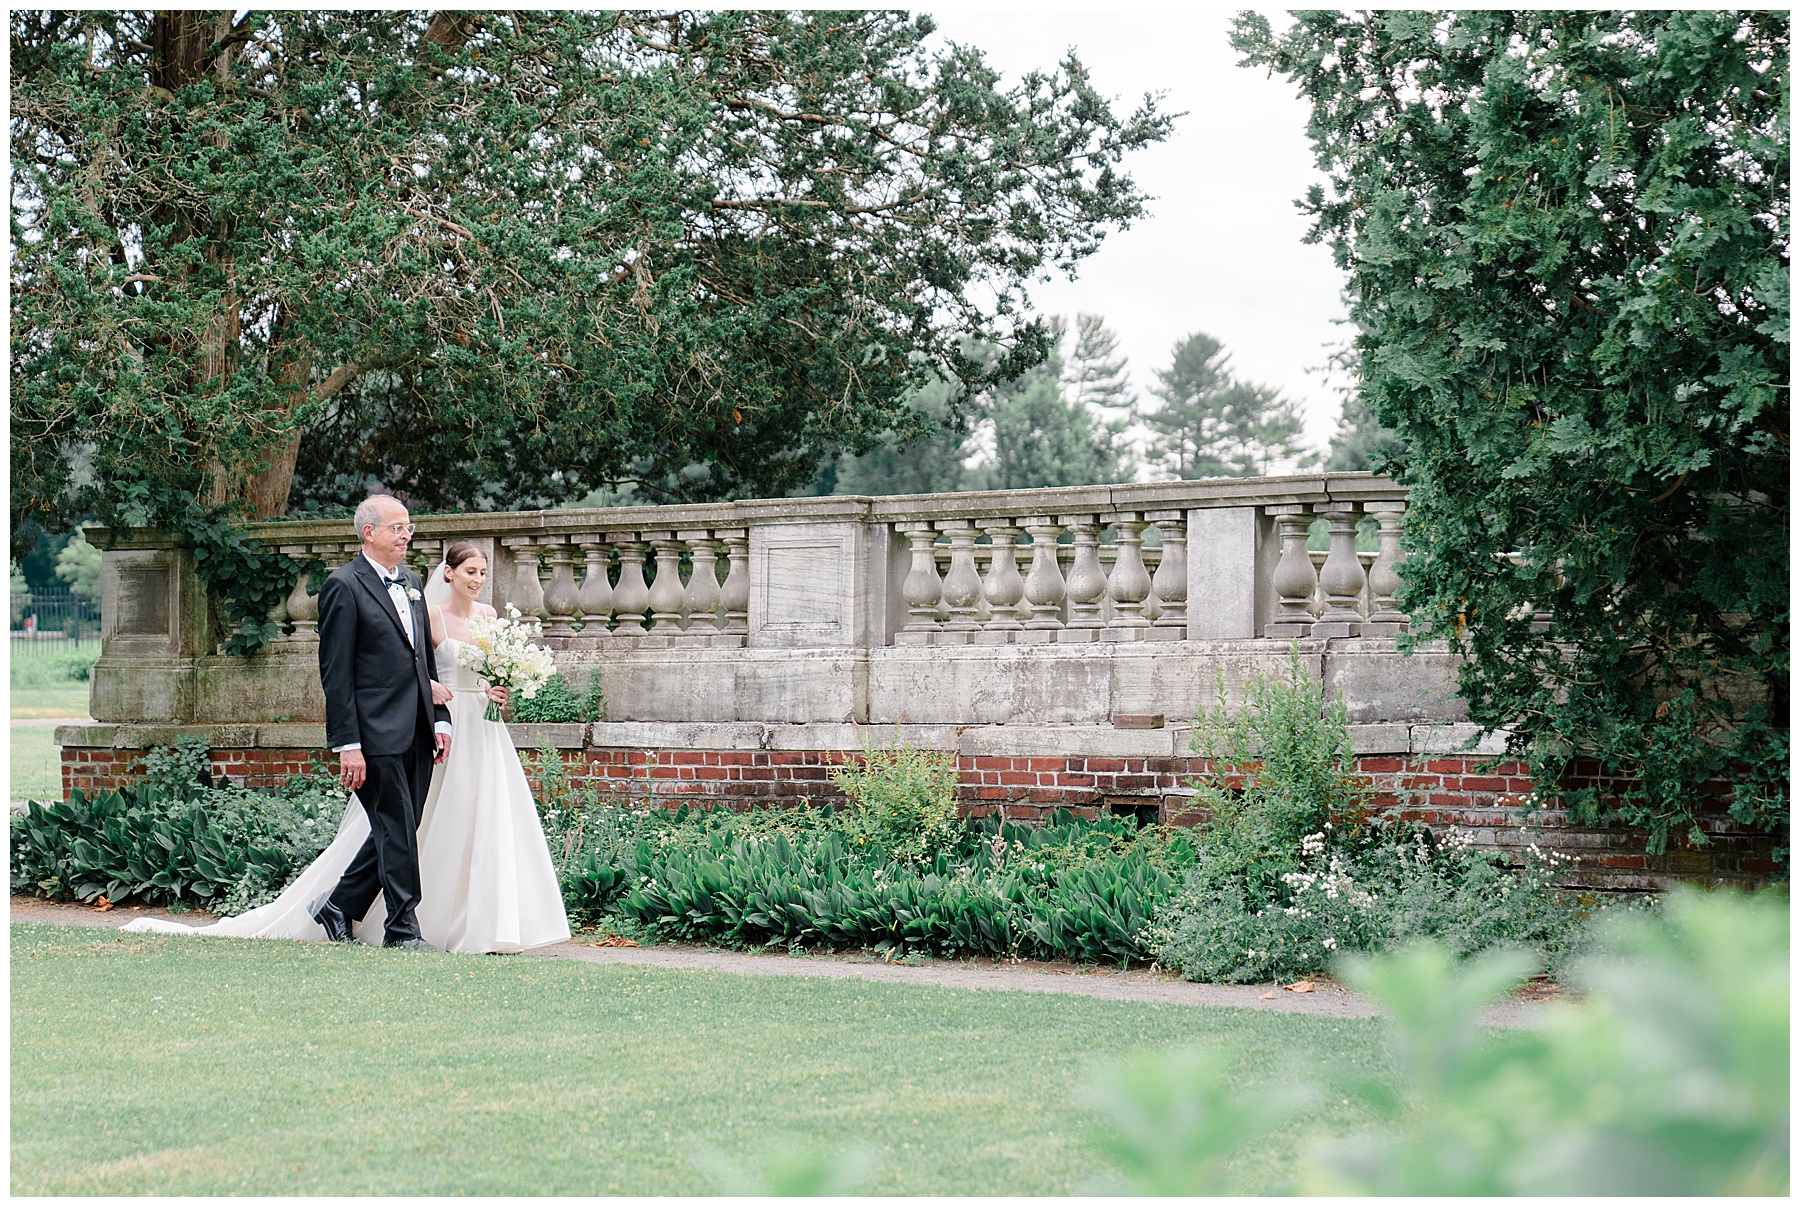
393, 795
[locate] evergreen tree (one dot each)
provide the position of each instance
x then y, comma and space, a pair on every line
1044, 438
928, 464
1360, 441
1212, 425
1096, 376
1566, 235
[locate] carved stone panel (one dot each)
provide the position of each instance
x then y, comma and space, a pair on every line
804, 590
145, 600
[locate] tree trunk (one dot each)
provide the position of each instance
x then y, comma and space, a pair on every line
267, 490
183, 42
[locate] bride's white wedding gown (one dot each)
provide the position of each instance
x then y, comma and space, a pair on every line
485, 876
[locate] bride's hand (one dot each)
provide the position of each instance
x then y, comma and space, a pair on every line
499, 695
441, 694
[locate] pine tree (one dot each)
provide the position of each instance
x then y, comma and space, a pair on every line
1360, 441
1096, 376
928, 464
1044, 438
1212, 425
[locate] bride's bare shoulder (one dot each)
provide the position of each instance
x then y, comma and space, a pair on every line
485, 610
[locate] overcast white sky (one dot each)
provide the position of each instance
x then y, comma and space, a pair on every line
1221, 250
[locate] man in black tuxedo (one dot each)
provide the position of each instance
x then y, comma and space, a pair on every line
377, 664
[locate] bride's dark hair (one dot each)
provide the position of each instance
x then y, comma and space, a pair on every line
461, 552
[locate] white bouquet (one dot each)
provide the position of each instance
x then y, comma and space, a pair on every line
500, 650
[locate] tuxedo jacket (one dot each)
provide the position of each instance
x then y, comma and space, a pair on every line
377, 685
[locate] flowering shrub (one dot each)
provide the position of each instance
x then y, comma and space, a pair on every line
903, 801
1284, 769
1276, 891
1367, 889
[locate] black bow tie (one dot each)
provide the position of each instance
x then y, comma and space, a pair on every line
395, 581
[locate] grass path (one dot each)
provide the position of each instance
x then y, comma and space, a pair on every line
147, 1064
36, 759
36, 763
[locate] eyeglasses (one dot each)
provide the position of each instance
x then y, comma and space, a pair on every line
398, 529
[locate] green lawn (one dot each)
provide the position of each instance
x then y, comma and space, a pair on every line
145, 1064
63, 699
36, 763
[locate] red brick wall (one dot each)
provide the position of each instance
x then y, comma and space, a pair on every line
104, 769
1439, 791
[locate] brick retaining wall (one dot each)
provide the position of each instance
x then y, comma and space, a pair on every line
1440, 791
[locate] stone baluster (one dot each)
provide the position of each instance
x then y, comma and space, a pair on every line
1171, 581
1086, 585
562, 597
1342, 576
1129, 584
667, 593
1044, 585
595, 597
424, 554
962, 586
1004, 585
941, 562
1384, 582
734, 594
1152, 606
527, 588
631, 597
302, 605
1316, 605
923, 589
1294, 579
703, 594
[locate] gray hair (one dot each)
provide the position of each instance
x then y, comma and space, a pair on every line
368, 512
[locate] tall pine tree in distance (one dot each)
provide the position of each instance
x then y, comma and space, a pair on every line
1044, 438
1096, 375
1212, 425
1360, 442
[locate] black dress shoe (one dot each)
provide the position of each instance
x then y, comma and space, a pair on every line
337, 927
409, 944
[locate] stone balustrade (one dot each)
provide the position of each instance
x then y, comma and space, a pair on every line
711, 611
1077, 564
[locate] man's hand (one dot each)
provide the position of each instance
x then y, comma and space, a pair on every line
441, 694
443, 747
352, 770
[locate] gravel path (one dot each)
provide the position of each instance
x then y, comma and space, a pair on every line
1138, 985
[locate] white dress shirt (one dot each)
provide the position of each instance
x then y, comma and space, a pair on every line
396, 593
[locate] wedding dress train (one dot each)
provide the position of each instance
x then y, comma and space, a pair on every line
486, 880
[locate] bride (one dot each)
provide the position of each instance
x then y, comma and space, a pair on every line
485, 877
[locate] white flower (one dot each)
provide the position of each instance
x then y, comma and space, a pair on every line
413, 594
1330, 944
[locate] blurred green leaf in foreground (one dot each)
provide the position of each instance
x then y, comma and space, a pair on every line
1669, 1077
789, 1168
